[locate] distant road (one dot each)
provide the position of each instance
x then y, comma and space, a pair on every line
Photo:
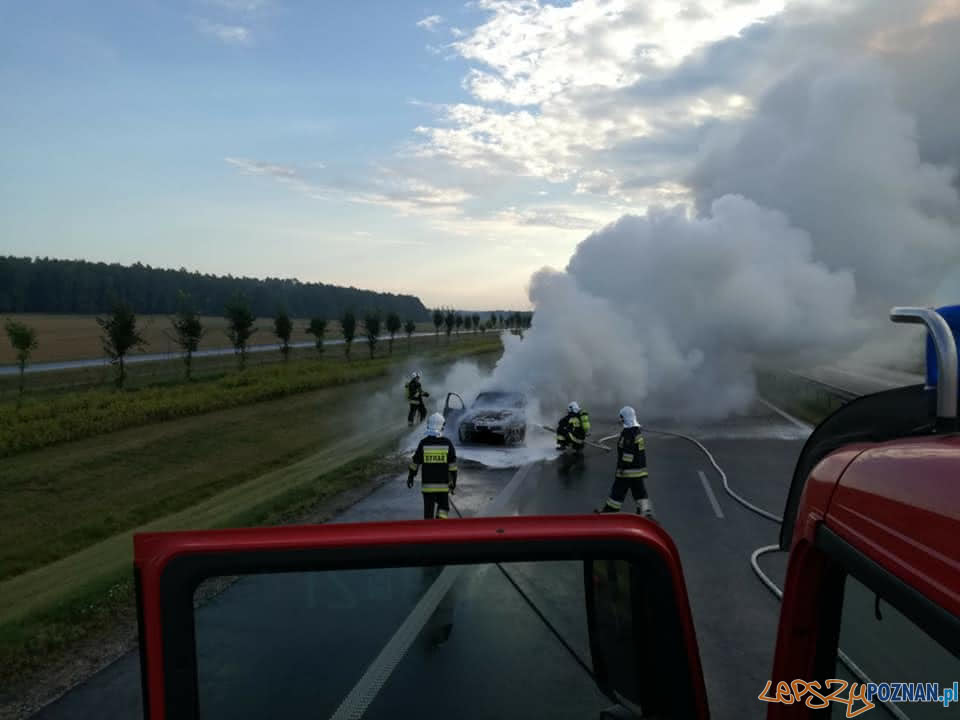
857, 381
156, 357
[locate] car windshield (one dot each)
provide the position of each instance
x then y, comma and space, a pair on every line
502, 400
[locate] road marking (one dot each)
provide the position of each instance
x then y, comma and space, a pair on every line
785, 415
357, 701
710, 496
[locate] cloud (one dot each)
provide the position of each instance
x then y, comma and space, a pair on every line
245, 6
227, 34
816, 152
252, 167
430, 22
408, 195
548, 217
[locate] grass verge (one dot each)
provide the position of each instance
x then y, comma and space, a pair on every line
55, 418
105, 607
805, 399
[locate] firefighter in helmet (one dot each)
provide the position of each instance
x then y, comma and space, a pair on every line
631, 467
415, 396
573, 428
438, 457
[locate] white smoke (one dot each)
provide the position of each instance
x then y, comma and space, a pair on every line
816, 214
668, 311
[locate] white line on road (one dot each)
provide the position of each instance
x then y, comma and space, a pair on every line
710, 496
357, 701
785, 415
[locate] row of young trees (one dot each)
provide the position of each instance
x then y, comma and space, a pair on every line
450, 319
121, 333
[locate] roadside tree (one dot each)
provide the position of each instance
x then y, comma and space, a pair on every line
394, 325
120, 336
188, 330
348, 328
371, 328
240, 327
283, 329
317, 328
23, 338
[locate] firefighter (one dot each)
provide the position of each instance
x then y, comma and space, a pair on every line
573, 428
631, 468
439, 460
415, 396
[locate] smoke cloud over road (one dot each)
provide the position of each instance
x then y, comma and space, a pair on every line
813, 214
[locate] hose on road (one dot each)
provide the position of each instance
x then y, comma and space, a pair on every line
761, 551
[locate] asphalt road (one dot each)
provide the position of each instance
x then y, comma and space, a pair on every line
860, 380
155, 357
265, 651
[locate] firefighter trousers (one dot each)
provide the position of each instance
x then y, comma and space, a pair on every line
618, 492
417, 409
436, 505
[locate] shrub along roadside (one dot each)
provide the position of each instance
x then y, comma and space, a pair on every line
74, 415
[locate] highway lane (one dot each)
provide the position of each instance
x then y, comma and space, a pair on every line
476, 667
859, 380
734, 614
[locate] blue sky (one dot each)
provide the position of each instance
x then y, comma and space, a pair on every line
442, 148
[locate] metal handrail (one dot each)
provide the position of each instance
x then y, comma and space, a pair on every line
946, 347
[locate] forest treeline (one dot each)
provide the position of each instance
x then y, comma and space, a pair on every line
43, 285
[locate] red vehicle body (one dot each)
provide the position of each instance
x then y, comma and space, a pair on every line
890, 513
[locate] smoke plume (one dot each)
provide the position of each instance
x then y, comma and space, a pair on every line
813, 215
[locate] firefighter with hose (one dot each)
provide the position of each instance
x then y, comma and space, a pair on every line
631, 468
438, 457
415, 396
573, 428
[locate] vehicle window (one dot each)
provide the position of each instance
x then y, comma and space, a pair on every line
306, 644
889, 648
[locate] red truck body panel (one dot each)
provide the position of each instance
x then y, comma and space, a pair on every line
899, 504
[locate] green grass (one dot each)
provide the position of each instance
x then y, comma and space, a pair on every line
58, 500
68, 511
807, 400
64, 416
105, 603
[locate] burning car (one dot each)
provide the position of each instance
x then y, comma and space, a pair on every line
494, 417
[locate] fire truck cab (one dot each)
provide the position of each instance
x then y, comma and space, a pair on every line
872, 592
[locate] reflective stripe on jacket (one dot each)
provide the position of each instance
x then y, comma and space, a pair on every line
438, 457
631, 454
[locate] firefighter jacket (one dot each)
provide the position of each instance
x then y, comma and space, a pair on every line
438, 457
415, 393
573, 428
631, 454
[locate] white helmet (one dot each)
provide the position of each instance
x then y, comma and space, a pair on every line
628, 416
435, 424
415, 375
573, 407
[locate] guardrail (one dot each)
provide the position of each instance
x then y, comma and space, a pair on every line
806, 397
